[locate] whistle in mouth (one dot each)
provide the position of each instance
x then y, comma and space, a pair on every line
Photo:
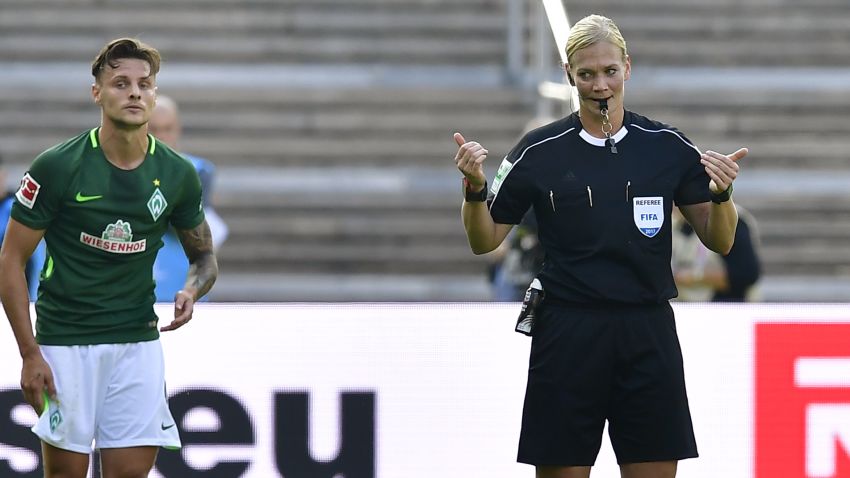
603, 105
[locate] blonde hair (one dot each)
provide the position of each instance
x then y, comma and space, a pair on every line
591, 30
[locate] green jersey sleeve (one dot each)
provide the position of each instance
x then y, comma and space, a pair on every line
39, 196
189, 212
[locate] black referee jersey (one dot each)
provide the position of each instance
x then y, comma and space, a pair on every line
603, 217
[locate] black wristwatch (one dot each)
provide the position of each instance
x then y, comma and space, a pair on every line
470, 196
722, 197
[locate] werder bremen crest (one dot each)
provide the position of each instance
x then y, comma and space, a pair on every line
55, 420
157, 204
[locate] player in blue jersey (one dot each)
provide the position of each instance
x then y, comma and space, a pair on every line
169, 270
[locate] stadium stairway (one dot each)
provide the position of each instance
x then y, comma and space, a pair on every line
294, 32
330, 122
728, 33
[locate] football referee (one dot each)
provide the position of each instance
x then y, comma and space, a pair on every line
602, 182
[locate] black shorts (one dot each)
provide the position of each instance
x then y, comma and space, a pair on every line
594, 363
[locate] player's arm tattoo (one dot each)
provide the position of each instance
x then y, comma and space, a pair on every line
203, 266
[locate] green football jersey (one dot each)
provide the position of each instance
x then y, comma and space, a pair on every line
103, 228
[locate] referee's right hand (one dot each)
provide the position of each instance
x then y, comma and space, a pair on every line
470, 161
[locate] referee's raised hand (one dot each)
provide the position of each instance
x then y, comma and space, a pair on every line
470, 161
722, 168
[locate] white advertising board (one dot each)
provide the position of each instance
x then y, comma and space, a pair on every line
436, 390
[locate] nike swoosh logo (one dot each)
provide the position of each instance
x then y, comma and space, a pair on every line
166, 427
81, 198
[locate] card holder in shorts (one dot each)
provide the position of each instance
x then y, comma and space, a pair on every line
528, 313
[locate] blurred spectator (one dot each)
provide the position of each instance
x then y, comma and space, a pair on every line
169, 270
703, 275
519, 259
36, 261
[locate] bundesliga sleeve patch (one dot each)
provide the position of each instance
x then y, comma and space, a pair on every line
503, 171
28, 192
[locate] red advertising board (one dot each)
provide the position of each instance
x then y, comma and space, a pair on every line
802, 400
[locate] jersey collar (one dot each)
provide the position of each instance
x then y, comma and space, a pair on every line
589, 138
94, 135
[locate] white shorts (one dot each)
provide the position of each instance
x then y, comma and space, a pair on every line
112, 394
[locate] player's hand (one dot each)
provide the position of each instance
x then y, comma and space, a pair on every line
36, 379
721, 168
184, 306
470, 161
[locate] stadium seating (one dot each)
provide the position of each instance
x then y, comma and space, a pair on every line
330, 122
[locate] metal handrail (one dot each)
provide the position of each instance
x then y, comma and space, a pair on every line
537, 72
550, 91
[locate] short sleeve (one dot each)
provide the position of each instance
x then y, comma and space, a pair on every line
510, 195
39, 195
693, 187
189, 212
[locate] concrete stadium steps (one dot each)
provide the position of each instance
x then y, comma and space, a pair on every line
381, 126
232, 31
361, 91
403, 126
294, 127
342, 225
803, 218
802, 227
782, 128
803, 237
659, 32
360, 212
728, 32
336, 221
407, 226
339, 287
347, 238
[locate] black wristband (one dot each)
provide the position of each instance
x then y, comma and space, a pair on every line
470, 196
722, 197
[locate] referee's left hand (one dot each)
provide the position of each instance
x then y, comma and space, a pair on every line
184, 306
721, 168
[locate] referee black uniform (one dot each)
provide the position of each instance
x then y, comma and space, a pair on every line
605, 344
